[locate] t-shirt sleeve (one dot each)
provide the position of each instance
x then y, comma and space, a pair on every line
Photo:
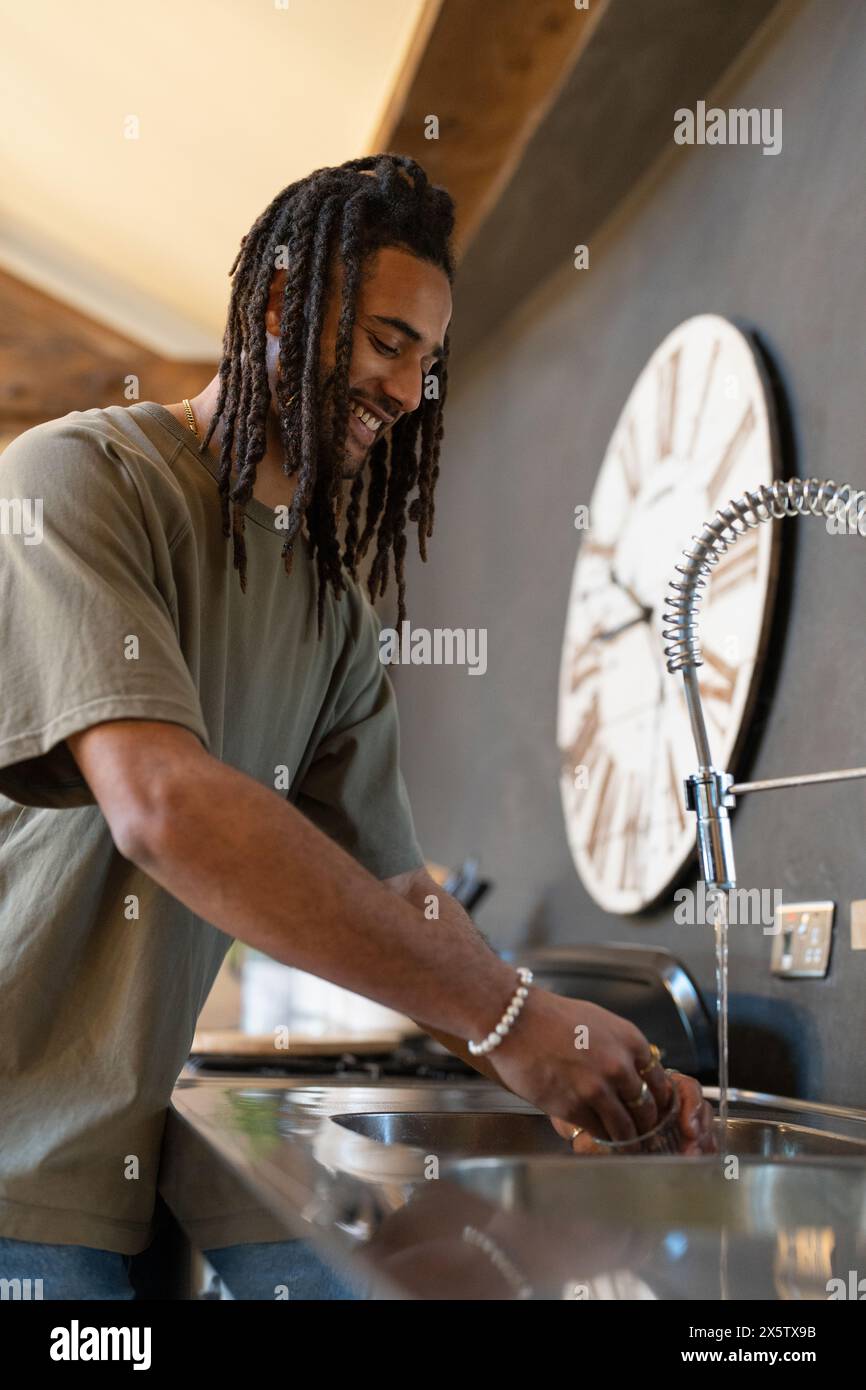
88, 627
354, 789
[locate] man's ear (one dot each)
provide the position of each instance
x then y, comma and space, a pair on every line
274, 309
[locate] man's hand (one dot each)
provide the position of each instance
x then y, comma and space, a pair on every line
582, 1064
596, 1079
695, 1123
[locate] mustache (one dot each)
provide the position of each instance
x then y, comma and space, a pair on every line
325, 396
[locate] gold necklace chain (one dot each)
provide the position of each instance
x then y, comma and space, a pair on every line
190, 418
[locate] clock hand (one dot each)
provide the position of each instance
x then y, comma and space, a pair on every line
628, 590
646, 611
608, 636
643, 616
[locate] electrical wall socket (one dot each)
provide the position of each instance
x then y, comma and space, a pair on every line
801, 947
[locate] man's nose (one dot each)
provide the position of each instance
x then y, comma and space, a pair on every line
402, 387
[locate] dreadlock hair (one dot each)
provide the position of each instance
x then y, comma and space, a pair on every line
342, 210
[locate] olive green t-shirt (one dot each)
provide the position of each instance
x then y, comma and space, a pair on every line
118, 600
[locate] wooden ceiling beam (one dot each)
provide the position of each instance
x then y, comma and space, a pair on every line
488, 73
54, 359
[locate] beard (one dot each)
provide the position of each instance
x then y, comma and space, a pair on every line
346, 463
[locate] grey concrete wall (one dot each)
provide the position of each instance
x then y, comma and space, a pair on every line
781, 243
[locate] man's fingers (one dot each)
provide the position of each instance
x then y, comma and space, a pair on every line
696, 1119
659, 1083
586, 1146
706, 1124
648, 1065
693, 1117
696, 1122
589, 1126
643, 1070
645, 1114
618, 1121
604, 1117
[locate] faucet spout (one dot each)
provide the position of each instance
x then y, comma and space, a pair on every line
710, 792
708, 795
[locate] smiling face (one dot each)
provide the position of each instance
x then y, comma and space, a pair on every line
402, 313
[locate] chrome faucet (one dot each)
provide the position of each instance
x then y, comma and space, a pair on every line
711, 793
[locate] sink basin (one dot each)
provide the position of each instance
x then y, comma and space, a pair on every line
475, 1134
676, 1228
780, 1139
789, 1222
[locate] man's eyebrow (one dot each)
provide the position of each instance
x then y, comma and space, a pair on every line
403, 327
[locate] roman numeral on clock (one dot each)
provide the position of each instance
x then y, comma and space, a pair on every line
702, 402
584, 664
583, 749
629, 456
676, 788
734, 447
594, 547
598, 843
666, 407
630, 875
718, 687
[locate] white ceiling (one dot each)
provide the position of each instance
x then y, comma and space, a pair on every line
234, 99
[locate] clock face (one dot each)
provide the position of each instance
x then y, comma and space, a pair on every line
697, 429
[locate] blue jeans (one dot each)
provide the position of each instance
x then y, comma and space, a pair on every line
279, 1269
37, 1271
256, 1271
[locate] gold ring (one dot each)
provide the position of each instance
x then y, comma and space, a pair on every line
654, 1059
574, 1133
636, 1104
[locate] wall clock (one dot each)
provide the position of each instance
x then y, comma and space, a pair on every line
698, 428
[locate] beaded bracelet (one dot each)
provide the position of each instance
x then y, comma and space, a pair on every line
503, 1027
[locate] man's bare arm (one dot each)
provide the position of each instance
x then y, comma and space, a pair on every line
239, 856
418, 887
242, 858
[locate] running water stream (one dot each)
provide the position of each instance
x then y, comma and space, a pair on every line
721, 932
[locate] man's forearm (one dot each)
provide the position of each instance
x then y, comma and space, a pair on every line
450, 912
242, 858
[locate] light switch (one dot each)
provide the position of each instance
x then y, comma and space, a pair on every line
858, 925
804, 932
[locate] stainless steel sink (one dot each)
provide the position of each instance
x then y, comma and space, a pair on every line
515, 1214
676, 1228
473, 1134
765, 1126
763, 1199
785, 1220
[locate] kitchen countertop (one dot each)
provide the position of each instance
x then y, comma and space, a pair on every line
248, 1159
258, 1159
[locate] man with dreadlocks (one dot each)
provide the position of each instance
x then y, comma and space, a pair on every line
199, 742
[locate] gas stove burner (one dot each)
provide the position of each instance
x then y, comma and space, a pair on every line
427, 1063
